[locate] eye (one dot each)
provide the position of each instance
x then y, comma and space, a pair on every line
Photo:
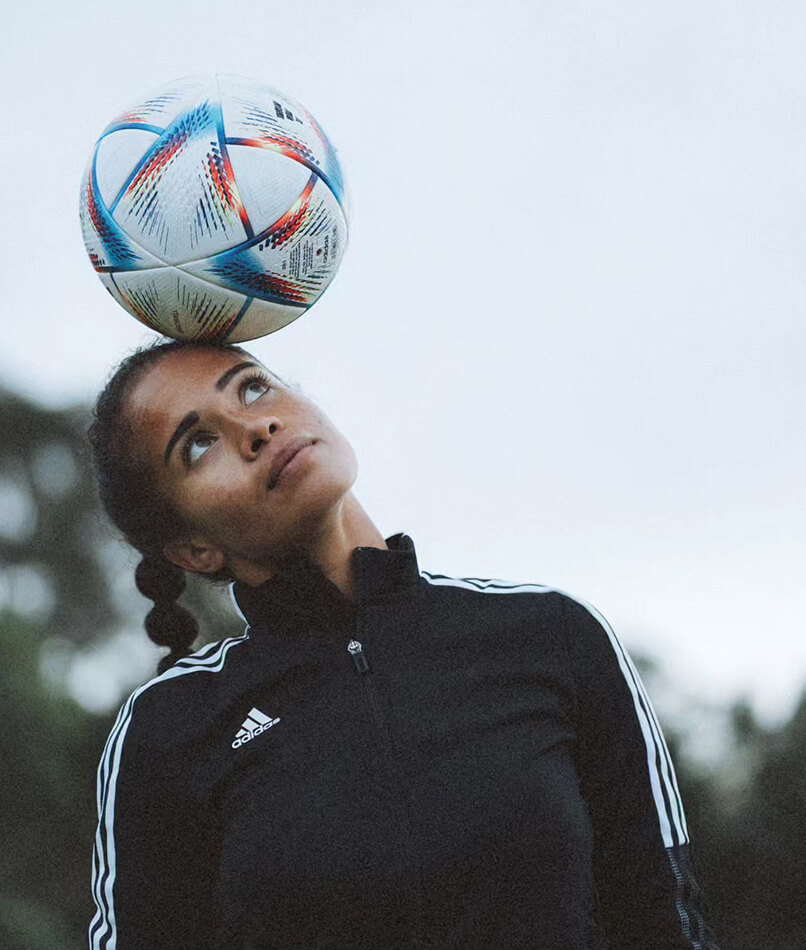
253, 388
196, 446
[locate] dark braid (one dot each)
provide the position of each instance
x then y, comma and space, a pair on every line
167, 623
128, 494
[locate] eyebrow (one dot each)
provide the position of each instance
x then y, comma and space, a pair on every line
232, 371
193, 417
190, 420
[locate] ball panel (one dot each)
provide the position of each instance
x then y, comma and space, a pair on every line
178, 304
293, 260
109, 248
260, 319
182, 203
263, 117
268, 183
116, 156
162, 107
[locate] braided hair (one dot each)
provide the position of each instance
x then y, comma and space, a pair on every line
129, 496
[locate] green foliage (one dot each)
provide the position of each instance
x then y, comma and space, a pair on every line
51, 523
751, 838
50, 748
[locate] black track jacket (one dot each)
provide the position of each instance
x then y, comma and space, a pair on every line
439, 763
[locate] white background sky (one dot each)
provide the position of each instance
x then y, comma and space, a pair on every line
567, 338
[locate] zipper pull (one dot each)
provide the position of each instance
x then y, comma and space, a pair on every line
356, 651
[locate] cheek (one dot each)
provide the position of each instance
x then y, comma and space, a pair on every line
222, 500
215, 498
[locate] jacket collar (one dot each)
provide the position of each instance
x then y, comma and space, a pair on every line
301, 587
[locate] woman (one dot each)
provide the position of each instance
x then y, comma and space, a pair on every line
387, 758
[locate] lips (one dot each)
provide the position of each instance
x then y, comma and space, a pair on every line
284, 456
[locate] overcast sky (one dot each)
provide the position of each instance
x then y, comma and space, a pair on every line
567, 337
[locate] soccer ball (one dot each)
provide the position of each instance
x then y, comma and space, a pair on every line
215, 209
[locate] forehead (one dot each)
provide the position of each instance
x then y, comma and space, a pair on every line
179, 383
192, 370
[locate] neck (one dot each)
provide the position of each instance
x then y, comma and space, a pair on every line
346, 527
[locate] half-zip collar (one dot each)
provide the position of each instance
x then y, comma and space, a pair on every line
300, 587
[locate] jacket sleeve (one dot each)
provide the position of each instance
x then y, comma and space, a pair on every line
152, 876
649, 896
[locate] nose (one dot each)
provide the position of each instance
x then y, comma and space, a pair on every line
256, 432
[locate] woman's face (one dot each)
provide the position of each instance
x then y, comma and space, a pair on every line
253, 468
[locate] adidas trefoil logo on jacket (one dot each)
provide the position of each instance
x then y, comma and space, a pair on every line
254, 724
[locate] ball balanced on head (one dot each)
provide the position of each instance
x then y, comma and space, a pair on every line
214, 209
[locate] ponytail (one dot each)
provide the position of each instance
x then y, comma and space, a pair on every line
167, 623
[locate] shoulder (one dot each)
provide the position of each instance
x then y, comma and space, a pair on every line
575, 619
530, 607
490, 595
180, 700
522, 593
490, 586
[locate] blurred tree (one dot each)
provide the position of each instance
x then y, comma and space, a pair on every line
50, 525
50, 748
751, 836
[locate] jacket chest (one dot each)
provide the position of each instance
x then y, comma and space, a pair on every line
397, 762
384, 736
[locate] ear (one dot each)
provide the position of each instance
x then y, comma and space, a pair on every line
195, 556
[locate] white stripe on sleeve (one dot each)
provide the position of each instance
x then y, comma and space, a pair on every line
103, 929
